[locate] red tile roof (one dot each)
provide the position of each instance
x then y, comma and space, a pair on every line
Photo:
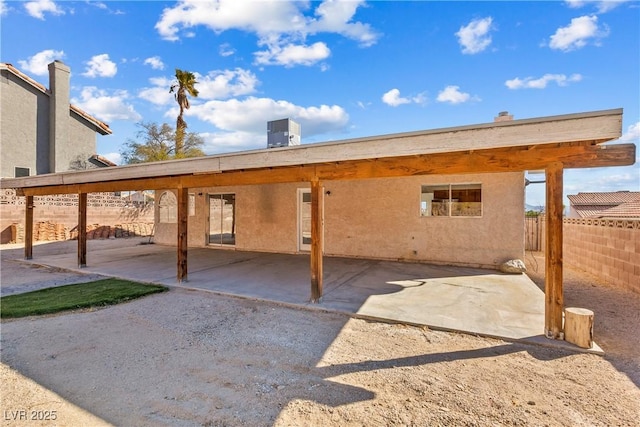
625, 210
589, 211
103, 128
610, 199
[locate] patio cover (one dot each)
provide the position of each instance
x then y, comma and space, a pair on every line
550, 143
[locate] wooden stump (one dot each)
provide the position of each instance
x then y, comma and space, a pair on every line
578, 326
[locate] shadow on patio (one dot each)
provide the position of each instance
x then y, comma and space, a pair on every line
470, 300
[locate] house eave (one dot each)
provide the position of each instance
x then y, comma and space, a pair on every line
590, 128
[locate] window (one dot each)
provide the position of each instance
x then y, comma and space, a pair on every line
168, 208
451, 200
19, 172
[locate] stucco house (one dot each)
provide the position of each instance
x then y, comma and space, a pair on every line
40, 131
470, 219
451, 195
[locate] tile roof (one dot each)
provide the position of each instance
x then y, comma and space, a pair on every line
589, 211
625, 210
103, 128
610, 199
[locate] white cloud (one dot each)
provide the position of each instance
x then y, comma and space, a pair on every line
38, 64
250, 115
155, 62
38, 8
336, 16
105, 106
260, 17
291, 55
98, 4
4, 9
475, 37
226, 83
394, 99
280, 25
632, 134
214, 85
225, 49
541, 83
100, 66
242, 124
114, 157
226, 142
602, 6
452, 95
577, 34
159, 93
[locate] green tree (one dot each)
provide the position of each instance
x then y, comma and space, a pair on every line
185, 84
158, 142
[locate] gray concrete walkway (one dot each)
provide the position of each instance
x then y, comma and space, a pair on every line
469, 300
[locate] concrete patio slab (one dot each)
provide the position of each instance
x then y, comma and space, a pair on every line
476, 301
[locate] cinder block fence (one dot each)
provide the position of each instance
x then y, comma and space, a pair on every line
606, 248
56, 217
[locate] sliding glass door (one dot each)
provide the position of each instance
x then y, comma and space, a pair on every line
222, 219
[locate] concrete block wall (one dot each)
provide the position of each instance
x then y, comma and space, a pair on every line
103, 209
606, 248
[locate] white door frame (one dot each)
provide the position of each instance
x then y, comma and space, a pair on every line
302, 247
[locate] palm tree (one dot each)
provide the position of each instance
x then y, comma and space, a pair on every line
186, 82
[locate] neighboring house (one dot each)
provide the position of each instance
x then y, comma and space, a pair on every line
40, 131
617, 204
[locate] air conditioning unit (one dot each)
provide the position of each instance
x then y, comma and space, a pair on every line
282, 133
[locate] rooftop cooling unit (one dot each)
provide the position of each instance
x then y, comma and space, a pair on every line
282, 133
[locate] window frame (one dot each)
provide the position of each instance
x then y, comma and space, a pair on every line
15, 171
451, 187
171, 209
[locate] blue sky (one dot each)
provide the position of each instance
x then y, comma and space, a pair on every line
342, 69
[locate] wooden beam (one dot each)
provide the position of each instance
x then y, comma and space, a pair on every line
82, 230
510, 159
28, 228
183, 215
317, 231
597, 126
554, 298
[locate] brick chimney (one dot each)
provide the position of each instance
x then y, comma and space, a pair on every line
59, 132
503, 116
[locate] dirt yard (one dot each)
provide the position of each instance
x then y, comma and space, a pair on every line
189, 358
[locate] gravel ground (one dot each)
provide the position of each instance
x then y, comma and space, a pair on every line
190, 358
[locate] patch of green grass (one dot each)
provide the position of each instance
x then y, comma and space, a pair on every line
70, 297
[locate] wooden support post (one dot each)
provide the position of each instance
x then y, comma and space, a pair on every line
317, 232
183, 215
554, 299
82, 230
28, 228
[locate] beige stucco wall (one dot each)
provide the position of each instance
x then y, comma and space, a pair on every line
375, 218
383, 221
